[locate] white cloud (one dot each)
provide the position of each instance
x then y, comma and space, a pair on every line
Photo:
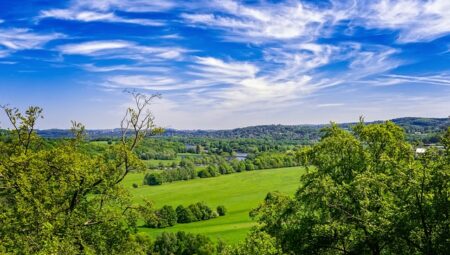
155, 82
417, 20
374, 61
94, 16
125, 5
16, 39
393, 79
268, 21
93, 47
172, 36
104, 11
134, 68
210, 67
122, 49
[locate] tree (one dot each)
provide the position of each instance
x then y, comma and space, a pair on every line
153, 179
167, 216
181, 243
258, 243
365, 194
221, 210
58, 198
185, 215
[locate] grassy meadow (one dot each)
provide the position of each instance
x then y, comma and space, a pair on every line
239, 193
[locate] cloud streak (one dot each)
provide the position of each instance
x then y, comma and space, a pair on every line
17, 39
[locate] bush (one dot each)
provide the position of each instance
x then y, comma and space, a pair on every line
185, 215
135, 185
153, 179
195, 211
167, 216
221, 210
204, 173
225, 168
183, 243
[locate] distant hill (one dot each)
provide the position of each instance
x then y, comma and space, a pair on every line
412, 125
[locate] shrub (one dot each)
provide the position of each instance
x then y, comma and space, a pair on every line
153, 179
195, 211
183, 243
135, 185
185, 215
204, 173
221, 210
167, 216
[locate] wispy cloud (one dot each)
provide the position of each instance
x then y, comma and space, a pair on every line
156, 82
132, 68
17, 39
126, 5
94, 16
267, 21
121, 49
416, 20
393, 79
104, 11
93, 47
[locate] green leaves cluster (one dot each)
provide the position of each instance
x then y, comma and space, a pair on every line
57, 198
167, 216
366, 192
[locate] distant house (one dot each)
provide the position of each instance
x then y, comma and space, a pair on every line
241, 156
420, 150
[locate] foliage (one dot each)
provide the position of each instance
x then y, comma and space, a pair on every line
185, 215
167, 216
217, 165
366, 194
182, 243
58, 198
221, 210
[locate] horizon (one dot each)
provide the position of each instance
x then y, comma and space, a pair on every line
226, 64
273, 124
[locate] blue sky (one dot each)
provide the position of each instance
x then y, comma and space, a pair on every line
225, 64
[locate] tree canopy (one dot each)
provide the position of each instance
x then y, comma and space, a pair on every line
365, 192
59, 198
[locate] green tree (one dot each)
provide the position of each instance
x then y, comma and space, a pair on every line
221, 210
57, 198
182, 243
365, 193
167, 216
185, 215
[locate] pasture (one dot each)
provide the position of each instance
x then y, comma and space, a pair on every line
239, 193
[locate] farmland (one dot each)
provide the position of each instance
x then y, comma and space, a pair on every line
240, 193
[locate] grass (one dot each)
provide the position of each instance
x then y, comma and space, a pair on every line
240, 193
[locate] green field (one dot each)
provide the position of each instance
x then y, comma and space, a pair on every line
239, 192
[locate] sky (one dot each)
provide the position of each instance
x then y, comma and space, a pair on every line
222, 64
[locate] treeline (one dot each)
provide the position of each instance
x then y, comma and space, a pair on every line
151, 148
225, 146
181, 243
167, 216
219, 166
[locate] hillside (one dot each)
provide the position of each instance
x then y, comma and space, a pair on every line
300, 133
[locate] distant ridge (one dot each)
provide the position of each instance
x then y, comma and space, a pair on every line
277, 132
